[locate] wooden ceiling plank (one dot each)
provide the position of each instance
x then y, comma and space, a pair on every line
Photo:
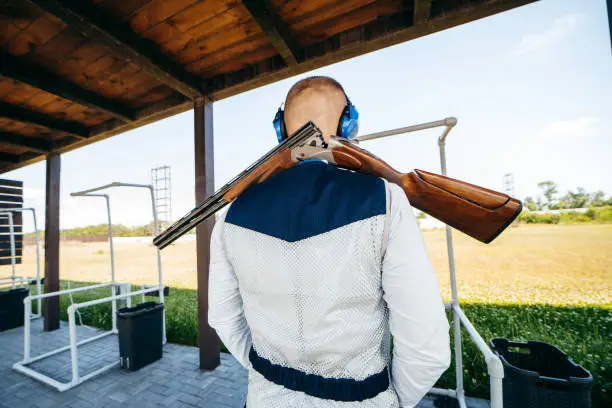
119, 38
229, 53
9, 32
275, 28
22, 115
41, 100
156, 12
289, 10
35, 77
326, 13
58, 49
36, 35
232, 35
23, 14
7, 86
221, 29
123, 10
341, 23
21, 94
185, 26
241, 61
16, 140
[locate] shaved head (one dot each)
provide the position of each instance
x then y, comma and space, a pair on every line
318, 99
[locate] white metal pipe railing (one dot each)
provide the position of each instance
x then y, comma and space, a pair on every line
37, 241
155, 228
448, 122
10, 279
494, 365
76, 378
453, 280
112, 251
111, 298
28, 310
9, 217
73, 343
20, 366
37, 238
67, 291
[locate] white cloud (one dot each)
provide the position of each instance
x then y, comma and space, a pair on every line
582, 127
560, 28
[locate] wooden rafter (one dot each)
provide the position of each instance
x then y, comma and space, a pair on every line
9, 158
23, 115
25, 142
422, 9
119, 38
16, 69
276, 29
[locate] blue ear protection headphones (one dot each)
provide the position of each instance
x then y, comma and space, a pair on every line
348, 125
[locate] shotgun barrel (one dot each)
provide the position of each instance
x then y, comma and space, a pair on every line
270, 162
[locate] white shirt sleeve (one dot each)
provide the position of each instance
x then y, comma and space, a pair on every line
225, 311
418, 322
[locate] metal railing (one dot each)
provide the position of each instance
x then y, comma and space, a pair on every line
73, 308
494, 365
24, 280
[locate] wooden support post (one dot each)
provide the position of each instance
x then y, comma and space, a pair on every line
51, 306
610, 18
204, 187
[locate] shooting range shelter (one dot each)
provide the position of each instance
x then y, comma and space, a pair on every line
75, 72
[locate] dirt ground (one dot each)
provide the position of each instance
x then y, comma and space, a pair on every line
555, 264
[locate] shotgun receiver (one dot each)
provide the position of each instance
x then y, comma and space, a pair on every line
478, 212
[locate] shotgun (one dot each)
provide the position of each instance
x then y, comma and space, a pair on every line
476, 211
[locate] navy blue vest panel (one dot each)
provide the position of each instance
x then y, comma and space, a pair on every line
308, 199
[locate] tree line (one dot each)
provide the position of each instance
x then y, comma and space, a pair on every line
551, 200
119, 230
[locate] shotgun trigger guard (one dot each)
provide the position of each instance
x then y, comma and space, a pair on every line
311, 148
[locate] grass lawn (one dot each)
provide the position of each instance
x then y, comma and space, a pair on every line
536, 282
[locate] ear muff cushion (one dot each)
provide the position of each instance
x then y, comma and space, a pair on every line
348, 125
279, 125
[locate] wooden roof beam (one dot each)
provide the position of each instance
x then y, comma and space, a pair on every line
16, 69
119, 38
276, 29
9, 158
9, 162
422, 9
22, 115
25, 142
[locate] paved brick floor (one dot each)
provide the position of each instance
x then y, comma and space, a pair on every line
173, 381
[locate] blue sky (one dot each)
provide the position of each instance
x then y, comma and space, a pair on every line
531, 88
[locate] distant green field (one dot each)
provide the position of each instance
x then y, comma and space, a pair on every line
542, 282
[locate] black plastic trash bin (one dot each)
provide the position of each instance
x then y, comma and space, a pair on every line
539, 375
140, 334
11, 307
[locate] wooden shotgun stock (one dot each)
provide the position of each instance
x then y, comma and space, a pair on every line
480, 213
476, 211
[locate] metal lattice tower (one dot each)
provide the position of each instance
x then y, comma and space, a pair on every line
509, 184
162, 185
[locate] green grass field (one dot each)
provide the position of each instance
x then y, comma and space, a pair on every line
540, 282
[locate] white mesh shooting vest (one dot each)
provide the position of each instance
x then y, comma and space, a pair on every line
307, 249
